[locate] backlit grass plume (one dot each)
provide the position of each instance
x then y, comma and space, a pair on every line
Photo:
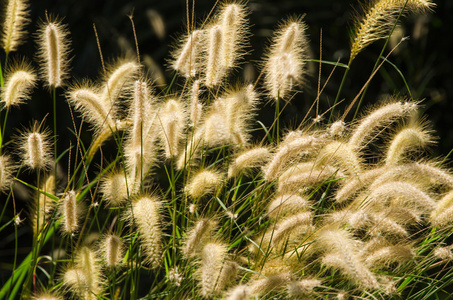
6, 172
284, 65
53, 51
20, 80
378, 19
13, 26
184, 191
35, 148
146, 214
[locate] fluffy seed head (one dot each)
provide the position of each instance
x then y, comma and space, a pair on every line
16, 18
240, 292
202, 183
341, 253
6, 173
70, 212
299, 223
295, 145
443, 253
251, 158
284, 63
47, 296
378, 119
112, 250
261, 286
386, 256
43, 205
302, 287
198, 236
84, 279
337, 128
234, 26
114, 187
196, 108
35, 148
118, 80
214, 68
378, 19
54, 46
146, 213
215, 271
140, 111
287, 204
19, 81
406, 140
187, 58
86, 100
401, 193
341, 155
172, 120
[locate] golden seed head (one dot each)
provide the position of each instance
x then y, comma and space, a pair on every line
172, 120
19, 81
146, 214
86, 100
284, 64
54, 43
114, 187
6, 173
204, 182
187, 59
70, 212
118, 81
112, 250
214, 69
16, 18
35, 148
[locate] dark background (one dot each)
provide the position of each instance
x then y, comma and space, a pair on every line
424, 59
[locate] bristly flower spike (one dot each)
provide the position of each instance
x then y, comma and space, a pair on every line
214, 69
54, 43
19, 81
35, 148
284, 63
233, 24
187, 58
16, 18
378, 21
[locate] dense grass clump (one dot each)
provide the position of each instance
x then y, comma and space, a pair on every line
175, 195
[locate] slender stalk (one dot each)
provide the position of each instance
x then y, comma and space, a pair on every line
339, 91
379, 58
54, 98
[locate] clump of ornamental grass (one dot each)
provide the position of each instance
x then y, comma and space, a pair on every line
15, 20
319, 210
